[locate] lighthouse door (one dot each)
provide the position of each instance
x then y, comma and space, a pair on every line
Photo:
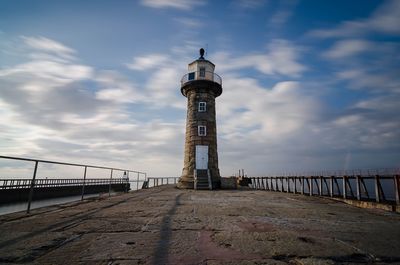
201, 157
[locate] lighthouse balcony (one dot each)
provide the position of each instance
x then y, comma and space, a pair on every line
201, 75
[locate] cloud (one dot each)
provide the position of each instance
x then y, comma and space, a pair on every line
62, 110
177, 4
250, 4
284, 12
385, 20
115, 87
189, 22
75, 112
48, 45
365, 64
252, 112
148, 62
346, 48
281, 59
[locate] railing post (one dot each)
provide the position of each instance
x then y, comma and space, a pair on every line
83, 185
358, 187
137, 182
377, 193
32, 187
320, 186
127, 182
295, 184
397, 188
109, 187
344, 187
311, 186
287, 184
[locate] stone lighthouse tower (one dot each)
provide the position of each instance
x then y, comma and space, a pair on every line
201, 86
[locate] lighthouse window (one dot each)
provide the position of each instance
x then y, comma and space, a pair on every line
191, 76
202, 130
202, 106
202, 72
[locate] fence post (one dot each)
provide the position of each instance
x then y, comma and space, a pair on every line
109, 187
295, 184
287, 184
137, 182
311, 186
32, 187
344, 187
331, 186
377, 193
83, 186
358, 187
320, 186
397, 188
127, 182
302, 184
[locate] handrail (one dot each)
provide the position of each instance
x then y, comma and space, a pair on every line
156, 180
195, 75
353, 187
68, 164
33, 181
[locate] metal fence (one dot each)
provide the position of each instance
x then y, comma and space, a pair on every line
382, 186
158, 181
33, 182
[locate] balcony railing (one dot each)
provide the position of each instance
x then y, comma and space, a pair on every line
210, 76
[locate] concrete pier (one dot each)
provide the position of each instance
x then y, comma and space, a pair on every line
165, 225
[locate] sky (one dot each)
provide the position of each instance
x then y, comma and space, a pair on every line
307, 85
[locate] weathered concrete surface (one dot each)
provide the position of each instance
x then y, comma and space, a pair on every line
165, 225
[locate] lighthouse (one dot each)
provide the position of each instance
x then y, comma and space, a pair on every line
201, 86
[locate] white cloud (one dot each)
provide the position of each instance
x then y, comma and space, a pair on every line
148, 62
116, 88
281, 58
48, 45
365, 64
284, 12
267, 114
346, 48
386, 19
178, 4
60, 73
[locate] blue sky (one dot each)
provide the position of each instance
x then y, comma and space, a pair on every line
307, 84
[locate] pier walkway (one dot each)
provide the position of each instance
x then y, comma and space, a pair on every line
165, 225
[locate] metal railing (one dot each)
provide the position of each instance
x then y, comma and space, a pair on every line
48, 183
381, 186
33, 182
158, 181
207, 75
